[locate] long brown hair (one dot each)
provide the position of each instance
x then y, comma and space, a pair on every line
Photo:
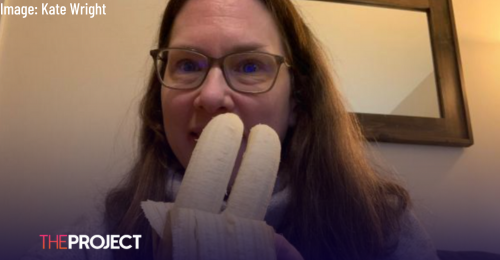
340, 207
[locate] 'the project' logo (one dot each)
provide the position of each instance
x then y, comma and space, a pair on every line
95, 242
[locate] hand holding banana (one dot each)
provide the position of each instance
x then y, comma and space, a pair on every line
193, 227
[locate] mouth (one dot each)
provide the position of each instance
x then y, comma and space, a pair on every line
196, 135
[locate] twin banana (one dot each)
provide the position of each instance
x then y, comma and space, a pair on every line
193, 228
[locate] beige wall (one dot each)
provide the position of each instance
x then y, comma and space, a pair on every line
457, 191
1, 1
69, 88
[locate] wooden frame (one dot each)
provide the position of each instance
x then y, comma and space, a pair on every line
453, 128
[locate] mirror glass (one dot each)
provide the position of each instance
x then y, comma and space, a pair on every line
381, 57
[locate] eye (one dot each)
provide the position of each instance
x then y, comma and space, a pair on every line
187, 66
249, 67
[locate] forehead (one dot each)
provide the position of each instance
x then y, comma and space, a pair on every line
218, 27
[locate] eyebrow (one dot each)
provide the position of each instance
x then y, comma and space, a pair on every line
247, 47
238, 48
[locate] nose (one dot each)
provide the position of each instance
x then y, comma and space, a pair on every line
214, 94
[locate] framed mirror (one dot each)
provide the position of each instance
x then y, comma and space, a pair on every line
397, 63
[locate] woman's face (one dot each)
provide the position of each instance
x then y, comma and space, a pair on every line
216, 28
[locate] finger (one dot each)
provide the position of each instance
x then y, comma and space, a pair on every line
211, 164
285, 250
254, 183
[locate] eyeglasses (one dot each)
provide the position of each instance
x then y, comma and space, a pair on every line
245, 72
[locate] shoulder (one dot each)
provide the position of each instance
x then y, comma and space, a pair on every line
414, 242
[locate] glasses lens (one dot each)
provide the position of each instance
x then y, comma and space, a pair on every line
181, 69
251, 72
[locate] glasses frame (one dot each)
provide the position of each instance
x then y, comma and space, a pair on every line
214, 61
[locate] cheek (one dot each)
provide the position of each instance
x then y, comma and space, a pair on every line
281, 117
282, 105
168, 109
177, 110
175, 107
273, 109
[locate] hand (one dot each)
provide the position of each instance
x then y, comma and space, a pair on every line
285, 250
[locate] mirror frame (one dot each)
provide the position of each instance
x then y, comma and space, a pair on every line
453, 127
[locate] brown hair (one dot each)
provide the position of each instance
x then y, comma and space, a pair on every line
341, 208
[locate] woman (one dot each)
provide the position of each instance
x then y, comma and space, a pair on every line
332, 203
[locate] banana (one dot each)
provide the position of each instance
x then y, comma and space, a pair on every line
193, 227
256, 177
211, 164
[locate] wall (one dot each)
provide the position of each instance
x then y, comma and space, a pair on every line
69, 88
1, 2
457, 191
